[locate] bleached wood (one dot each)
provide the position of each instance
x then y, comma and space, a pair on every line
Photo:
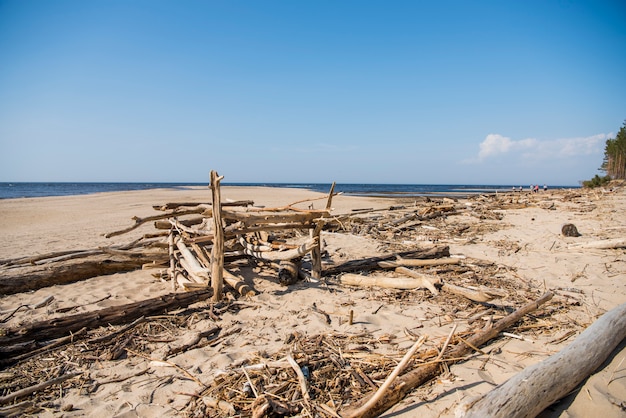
604, 244
425, 280
278, 255
482, 294
403, 262
217, 251
403, 283
538, 386
196, 271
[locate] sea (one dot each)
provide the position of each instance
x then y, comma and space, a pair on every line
12, 190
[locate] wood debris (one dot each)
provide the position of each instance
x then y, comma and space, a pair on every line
199, 249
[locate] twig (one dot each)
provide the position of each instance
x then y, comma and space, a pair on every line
445, 345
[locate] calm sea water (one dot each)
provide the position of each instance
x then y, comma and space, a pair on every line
19, 190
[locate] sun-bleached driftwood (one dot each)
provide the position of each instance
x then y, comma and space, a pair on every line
217, 251
604, 244
140, 221
113, 315
197, 272
481, 294
176, 205
371, 263
28, 278
238, 284
421, 374
403, 262
316, 252
277, 255
403, 283
538, 386
251, 218
425, 280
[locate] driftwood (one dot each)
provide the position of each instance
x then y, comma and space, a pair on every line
421, 374
238, 284
249, 219
425, 280
217, 251
402, 262
37, 277
39, 386
403, 283
604, 244
278, 255
372, 262
481, 294
114, 315
140, 221
540, 385
190, 263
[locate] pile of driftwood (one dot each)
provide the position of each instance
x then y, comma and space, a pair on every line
197, 248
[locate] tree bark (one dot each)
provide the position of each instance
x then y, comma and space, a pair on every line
540, 385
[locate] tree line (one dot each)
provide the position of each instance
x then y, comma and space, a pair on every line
614, 163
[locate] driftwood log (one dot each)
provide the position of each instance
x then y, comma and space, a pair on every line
37, 277
217, 251
540, 385
402, 283
420, 375
371, 263
114, 315
604, 244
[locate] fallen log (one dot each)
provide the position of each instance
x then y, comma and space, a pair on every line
24, 279
540, 385
372, 262
421, 374
113, 315
403, 283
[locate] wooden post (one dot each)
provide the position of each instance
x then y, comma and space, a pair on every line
217, 252
316, 253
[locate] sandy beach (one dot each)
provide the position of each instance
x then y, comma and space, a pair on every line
512, 242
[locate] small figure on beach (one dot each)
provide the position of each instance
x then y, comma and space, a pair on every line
545, 188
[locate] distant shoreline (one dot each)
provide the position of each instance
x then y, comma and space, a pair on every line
14, 190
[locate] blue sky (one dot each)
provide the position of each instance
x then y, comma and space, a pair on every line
461, 92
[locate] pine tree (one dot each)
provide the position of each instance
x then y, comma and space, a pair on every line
614, 163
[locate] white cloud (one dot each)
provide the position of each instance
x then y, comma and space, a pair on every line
495, 144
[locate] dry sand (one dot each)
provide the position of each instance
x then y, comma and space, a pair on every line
526, 245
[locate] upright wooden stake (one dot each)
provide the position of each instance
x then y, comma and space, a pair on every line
217, 252
316, 253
